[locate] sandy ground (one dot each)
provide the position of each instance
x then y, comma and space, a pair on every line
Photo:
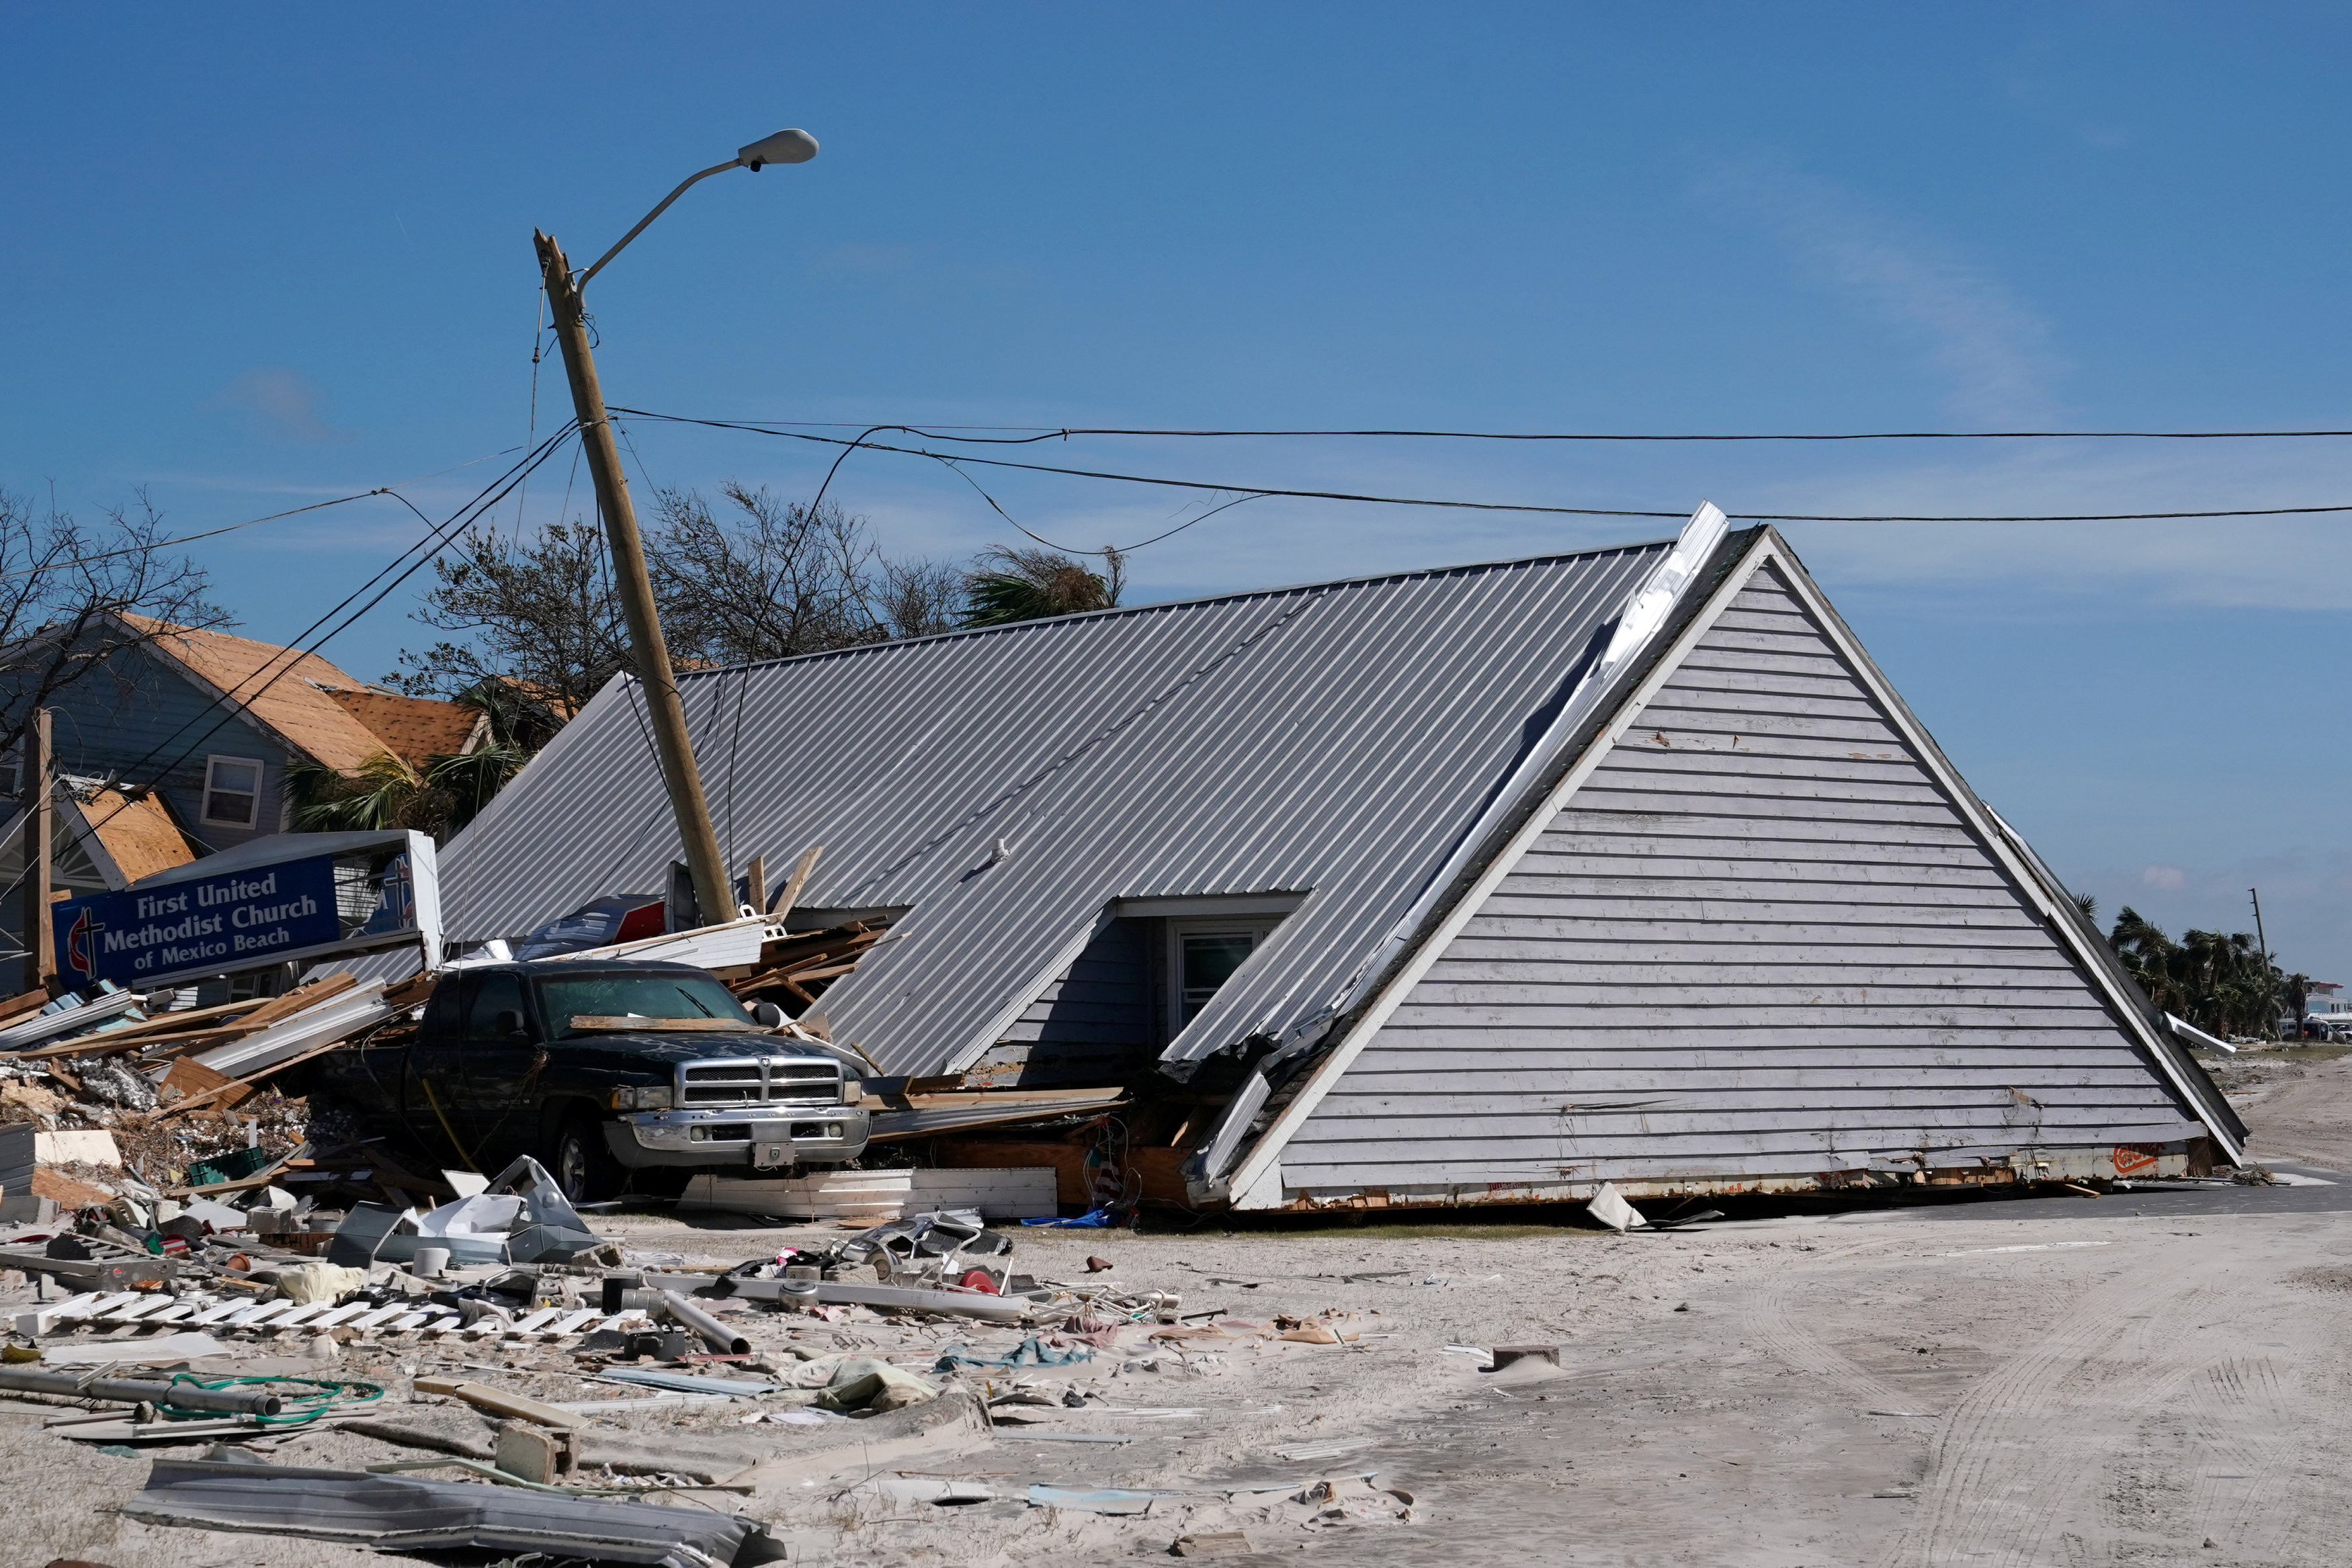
2057, 1381
2295, 1101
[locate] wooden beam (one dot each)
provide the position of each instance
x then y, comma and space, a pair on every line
23, 1006
207, 1096
789, 895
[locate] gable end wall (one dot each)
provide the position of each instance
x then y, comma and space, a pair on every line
1759, 940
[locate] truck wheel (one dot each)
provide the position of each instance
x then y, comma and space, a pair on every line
584, 1166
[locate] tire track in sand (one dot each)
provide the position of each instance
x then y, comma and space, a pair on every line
2031, 1440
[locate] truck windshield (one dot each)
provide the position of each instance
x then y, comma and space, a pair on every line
596, 1004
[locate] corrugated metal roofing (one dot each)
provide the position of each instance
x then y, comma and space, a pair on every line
1335, 740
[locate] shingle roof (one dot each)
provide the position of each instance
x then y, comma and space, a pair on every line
1336, 740
418, 729
295, 704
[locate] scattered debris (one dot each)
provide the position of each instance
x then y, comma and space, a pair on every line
405, 1515
1610, 1207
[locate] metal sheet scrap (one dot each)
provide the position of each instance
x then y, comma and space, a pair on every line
396, 1514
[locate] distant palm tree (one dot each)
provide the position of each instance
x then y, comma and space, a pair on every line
1008, 585
2221, 982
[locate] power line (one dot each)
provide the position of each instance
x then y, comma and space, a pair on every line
436, 538
1259, 490
1022, 434
252, 522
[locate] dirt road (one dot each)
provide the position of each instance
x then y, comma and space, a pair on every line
2075, 1388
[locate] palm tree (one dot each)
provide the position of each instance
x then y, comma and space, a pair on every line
2219, 981
1008, 585
382, 792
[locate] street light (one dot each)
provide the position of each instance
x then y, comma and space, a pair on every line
713, 891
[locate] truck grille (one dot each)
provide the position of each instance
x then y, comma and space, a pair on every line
753, 1081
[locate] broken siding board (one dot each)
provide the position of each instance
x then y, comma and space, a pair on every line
1706, 1105
1479, 1178
1805, 956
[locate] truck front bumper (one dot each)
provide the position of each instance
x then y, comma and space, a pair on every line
750, 1137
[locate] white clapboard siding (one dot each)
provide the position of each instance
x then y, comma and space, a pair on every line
1010, 1193
1760, 940
1091, 1025
875, 1196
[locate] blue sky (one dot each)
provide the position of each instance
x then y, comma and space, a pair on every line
260, 255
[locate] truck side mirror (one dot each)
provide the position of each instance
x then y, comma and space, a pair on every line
768, 1015
508, 1026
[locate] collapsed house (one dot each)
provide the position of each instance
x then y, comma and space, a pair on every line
1487, 884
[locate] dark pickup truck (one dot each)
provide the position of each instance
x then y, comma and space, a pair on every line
599, 1070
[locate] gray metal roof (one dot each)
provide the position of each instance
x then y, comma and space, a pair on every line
1335, 740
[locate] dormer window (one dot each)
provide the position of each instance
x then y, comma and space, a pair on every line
1202, 955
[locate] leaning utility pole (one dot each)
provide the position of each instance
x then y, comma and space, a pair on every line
40, 932
2264, 944
650, 652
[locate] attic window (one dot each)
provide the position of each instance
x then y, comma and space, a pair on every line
232, 792
1202, 955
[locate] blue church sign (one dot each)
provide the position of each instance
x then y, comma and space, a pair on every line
254, 914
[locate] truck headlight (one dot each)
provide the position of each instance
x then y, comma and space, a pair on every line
852, 1091
640, 1100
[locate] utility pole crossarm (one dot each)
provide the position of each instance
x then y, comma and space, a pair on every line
648, 650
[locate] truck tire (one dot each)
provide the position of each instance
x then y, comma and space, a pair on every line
582, 1165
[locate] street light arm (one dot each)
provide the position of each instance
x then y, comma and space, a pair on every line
715, 168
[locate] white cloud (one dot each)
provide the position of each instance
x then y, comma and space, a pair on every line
283, 400
1991, 346
2164, 878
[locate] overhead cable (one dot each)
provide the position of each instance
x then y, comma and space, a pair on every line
1022, 434
437, 538
1229, 487
251, 522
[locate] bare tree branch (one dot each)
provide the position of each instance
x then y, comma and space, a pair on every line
65, 587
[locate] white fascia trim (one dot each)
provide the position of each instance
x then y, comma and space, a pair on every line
1245, 1183
1181, 906
2195, 1036
1010, 1014
1979, 817
85, 833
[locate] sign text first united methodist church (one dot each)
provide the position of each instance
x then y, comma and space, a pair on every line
204, 925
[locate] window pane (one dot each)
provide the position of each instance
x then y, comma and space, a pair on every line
1210, 959
245, 777
496, 993
222, 806
646, 995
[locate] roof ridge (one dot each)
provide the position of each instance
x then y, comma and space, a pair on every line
1228, 597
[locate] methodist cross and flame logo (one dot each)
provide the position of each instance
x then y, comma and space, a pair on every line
81, 942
